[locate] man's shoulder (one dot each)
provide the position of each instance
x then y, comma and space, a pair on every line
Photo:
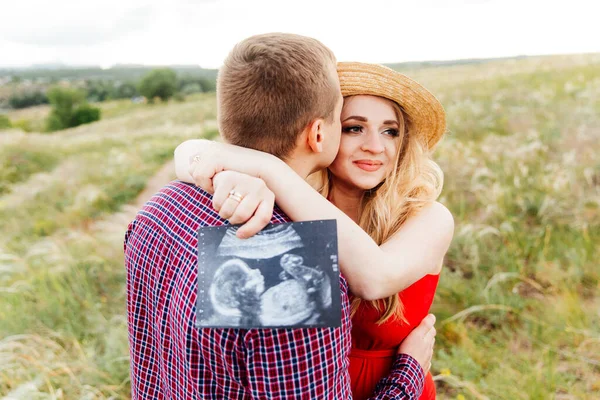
180, 202
180, 205
177, 211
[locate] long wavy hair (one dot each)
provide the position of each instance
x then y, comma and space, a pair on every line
415, 182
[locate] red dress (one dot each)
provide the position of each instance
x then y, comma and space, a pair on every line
374, 346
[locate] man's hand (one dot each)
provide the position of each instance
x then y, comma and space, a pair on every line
255, 209
419, 343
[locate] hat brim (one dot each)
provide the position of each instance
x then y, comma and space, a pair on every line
426, 114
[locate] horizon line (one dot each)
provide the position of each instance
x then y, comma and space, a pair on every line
60, 64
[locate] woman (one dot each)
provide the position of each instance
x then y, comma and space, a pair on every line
382, 181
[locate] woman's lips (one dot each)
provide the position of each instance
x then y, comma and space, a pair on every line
368, 165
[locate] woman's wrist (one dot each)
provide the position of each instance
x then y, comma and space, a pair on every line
271, 168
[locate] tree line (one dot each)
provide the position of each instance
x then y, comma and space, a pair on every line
162, 83
71, 104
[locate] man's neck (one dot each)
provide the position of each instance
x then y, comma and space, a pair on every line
303, 166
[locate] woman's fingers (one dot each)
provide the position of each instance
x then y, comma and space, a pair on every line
259, 220
206, 163
228, 208
241, 198
255, 210
244, 210
201, 175
222, 187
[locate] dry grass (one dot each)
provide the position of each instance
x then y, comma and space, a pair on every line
519, 298
63, 331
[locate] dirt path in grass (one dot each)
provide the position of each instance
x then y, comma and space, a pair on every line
164, 175
117, 221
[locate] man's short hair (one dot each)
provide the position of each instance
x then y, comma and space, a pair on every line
271, 87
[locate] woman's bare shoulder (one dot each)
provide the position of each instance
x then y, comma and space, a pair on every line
441, 213
426, 236
434, 216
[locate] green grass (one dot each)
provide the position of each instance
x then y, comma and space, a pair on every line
522, 277
519, 297
21, 163
62, 297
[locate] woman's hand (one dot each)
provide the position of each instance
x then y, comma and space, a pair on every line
419, 343
198, 161
241, 198
206, 162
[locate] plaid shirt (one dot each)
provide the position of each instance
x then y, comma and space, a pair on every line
173, 359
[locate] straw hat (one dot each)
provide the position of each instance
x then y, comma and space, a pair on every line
423, 109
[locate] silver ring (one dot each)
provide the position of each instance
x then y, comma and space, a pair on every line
235, 196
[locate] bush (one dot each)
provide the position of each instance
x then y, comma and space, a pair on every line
84, 114
208, 85
54, 123
27, 99
102, 90
191, 84
160, 83
69, 109
98, 90
192, 87
5, 122
23, 124
126, 91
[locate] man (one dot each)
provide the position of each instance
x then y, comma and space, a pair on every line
278, 93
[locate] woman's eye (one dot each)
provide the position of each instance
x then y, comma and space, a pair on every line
352, 129
391, 132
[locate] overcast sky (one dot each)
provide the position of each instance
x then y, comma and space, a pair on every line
201, 32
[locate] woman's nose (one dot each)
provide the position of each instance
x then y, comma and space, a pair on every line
373, 143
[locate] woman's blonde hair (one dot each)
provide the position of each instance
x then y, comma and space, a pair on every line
415, 181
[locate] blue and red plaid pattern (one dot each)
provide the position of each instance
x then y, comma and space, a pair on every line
173, 359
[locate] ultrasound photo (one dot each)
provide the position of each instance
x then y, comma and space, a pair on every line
286, 276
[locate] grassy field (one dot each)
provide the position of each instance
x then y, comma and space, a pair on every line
519, 299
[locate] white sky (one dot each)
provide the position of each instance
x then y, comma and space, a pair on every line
202, 32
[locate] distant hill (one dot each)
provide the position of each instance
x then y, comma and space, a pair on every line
446, 63
121, 72
135, 71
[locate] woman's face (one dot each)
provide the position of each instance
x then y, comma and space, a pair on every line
369, 144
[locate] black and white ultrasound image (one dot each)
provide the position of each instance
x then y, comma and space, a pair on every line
286, 276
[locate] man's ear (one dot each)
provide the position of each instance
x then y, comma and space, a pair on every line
316, 135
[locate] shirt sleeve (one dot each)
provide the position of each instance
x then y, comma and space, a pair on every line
144, 249
405, 381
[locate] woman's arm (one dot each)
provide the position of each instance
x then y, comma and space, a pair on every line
372, 271
216, 157
184, 154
